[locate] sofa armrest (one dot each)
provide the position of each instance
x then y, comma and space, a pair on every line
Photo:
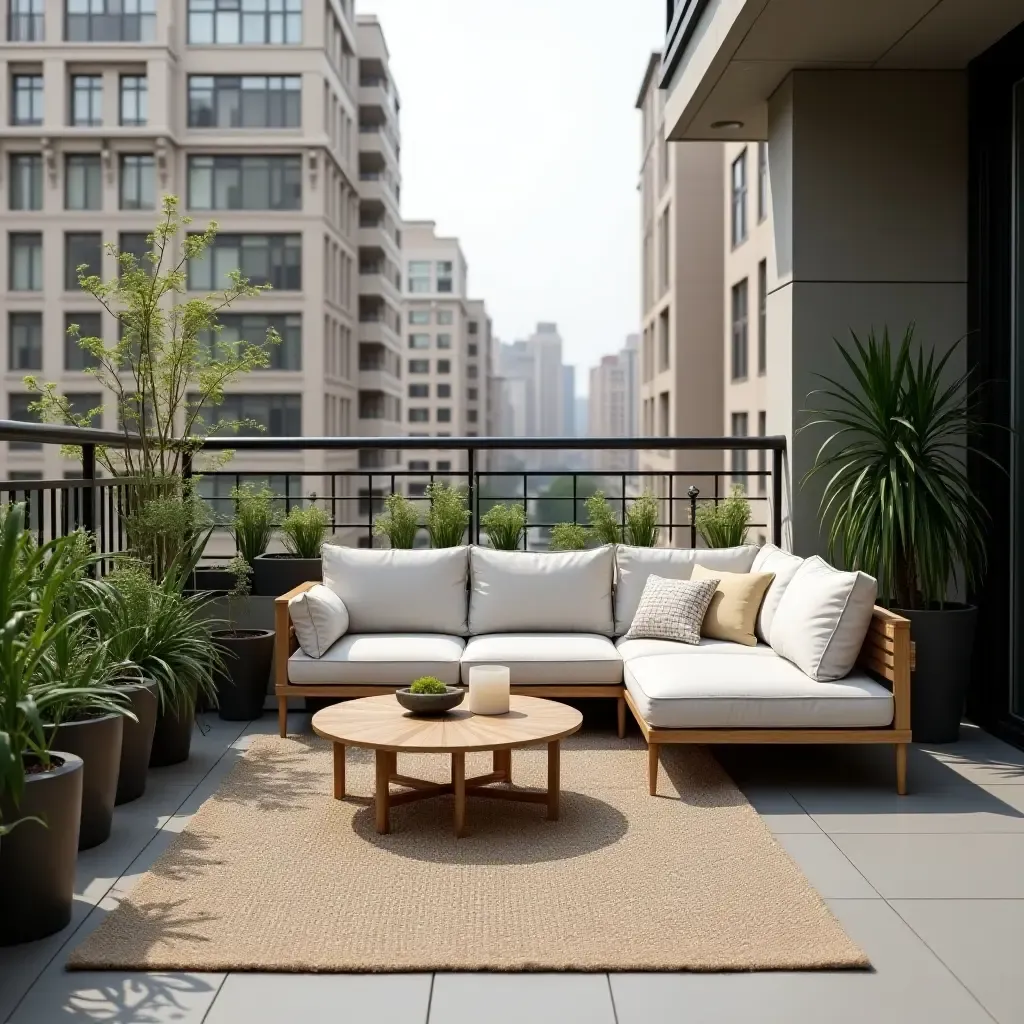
889, 653
284, 632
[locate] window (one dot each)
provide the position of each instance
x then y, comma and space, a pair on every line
81, 248
251, 329
250, 101
444, 341
762, 317
27, 99
664, 238
739, 330
419, 317
18, 409
471, 372
471, 416
419, 465
105, 21
444, 391
419, 366
419, 341
419, 415
84, 402
419, 275
445, 317
419, 390
83, 182
245, 182
90, 325
25, 341
444, 275
415, 489
137, 243
444, 366
25, 21
229, 22
444, 415
263, 259
472, 394
471, 350
762, 455
26, 260
739, 199
444, 465
26, 176
663, 414
87, 101
664, 340
138, 182
279, 415
134, 100
473, 327
739, 456
762, 181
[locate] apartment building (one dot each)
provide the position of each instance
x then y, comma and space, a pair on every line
109, 107
447, 350
749, 265
612, 405
682, 260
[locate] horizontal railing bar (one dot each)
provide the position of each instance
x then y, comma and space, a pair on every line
50, 433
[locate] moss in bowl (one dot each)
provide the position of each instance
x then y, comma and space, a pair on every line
430, 696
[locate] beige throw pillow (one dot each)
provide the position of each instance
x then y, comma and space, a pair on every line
732, 613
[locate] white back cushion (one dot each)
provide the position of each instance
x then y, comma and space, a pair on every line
636, 564
541, 591
319, 617
400, 591
822, 619
770, 558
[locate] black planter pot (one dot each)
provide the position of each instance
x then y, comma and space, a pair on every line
137, 742
172, 739
242, 687
37, 864
274, 575
944, 641
214, 577
97, 741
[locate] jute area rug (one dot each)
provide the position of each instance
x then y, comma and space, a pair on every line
273, 874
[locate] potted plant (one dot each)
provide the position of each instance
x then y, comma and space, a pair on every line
723, 524
603, 522
139, 732
448, 515
569, 537
428, 695
303, 531
254, 522
399, 521
505, 526
641, 527
899, 505
247, 654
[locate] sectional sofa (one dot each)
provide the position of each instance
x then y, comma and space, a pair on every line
828, 666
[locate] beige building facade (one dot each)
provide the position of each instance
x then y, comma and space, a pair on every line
612, 404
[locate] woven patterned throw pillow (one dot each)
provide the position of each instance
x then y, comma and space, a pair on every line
672, 609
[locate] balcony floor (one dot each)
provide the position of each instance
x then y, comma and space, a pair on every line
931, 885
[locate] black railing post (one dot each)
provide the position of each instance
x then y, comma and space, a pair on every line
777, 496
693, 493
474, 525
89, 487
369, 509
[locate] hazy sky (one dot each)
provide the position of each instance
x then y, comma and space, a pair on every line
519, 135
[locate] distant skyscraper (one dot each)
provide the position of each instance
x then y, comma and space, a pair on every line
546, 346
568, 401
612, 404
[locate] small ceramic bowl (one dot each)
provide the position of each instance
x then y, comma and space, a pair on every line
431, 703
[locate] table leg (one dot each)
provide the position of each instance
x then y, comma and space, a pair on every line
459, 788
382, 794
554, 780
339, 771
503, 763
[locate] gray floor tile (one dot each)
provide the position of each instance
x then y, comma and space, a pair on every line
519, 998
779, 810
968, 808
826, 868
908, 985
981, 942
981, 758
322, 999
950, 866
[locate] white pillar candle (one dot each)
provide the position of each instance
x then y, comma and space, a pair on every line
488, 690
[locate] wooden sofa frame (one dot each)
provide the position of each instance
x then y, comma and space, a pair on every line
283, 689
887, 654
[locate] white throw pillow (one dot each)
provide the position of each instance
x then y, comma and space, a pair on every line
822, 619
394, 590
784, 565
541, 591
672, 609
635, 564
319, 617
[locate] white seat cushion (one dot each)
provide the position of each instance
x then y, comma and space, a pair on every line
546, 658
381, 659
720, 685
630, 649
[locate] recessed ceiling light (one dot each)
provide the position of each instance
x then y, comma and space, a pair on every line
731, 125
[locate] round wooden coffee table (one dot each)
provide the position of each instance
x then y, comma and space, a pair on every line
383, 725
